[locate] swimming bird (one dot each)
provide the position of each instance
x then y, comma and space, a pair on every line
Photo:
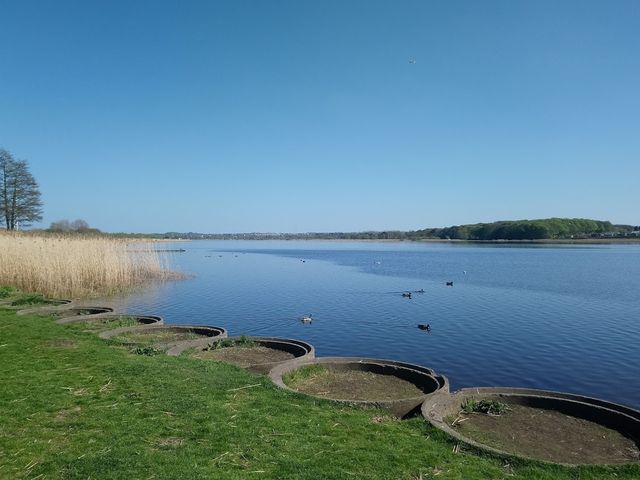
307, 319
406, 294
449, 284
424, 326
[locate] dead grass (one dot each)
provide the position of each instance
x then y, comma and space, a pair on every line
171, 442
346, 384
548, 435
245, 356
72, 266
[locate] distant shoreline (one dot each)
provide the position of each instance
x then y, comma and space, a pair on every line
546, 241
539, 231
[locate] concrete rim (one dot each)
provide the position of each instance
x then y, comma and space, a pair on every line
102, 311
399, 407
611, 415
208, 331
61, 305
301, 350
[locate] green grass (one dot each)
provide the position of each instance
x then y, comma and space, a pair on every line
30, 299
148, 351
74, 407
7, 291
242, 341
490, 407
303, 373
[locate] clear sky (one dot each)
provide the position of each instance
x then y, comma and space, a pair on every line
293, 116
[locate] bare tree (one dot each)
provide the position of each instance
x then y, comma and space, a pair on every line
60, 226
20, 203
80, 225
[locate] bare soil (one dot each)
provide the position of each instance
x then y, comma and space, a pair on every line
548, 435
354, 385
245, 356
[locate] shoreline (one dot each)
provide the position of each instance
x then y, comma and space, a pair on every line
545, 241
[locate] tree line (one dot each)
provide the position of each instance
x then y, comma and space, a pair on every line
75, 226
541, 229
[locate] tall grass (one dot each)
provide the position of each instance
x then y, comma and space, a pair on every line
73, 266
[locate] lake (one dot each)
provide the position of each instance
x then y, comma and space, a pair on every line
558, 317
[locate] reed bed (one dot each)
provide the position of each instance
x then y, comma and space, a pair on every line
75, 267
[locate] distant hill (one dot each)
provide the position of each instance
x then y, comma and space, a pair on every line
541, 229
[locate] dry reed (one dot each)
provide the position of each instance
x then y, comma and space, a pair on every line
74, 266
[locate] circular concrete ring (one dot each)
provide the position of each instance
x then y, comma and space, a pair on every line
85, 314
611, 415
55, 305
302, 351
206, 331
422, 377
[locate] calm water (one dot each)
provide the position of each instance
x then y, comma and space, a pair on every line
554, 317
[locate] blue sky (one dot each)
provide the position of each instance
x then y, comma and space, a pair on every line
242, 116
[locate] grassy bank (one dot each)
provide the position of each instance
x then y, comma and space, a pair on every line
76, 266
73, 407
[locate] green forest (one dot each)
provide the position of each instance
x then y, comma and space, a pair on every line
550, 228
